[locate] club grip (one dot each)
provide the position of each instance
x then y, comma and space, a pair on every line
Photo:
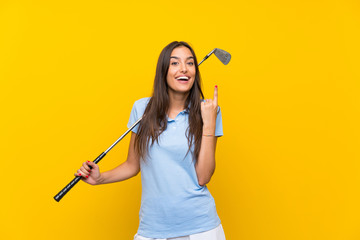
62, 193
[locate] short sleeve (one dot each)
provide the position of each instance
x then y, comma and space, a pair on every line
219, 127
133, 118
137, 111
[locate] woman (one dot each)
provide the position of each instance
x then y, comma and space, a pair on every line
174, 146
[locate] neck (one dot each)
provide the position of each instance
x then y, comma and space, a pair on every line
177, 101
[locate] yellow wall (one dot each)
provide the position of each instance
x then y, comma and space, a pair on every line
287, 165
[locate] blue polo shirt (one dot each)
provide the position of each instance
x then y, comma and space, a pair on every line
173, 204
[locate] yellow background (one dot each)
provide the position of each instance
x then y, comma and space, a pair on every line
287, 165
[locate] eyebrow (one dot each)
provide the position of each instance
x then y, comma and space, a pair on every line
191, 57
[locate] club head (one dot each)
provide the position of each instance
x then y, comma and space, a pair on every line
222, 55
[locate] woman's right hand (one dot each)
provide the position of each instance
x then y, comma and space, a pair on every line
90, 176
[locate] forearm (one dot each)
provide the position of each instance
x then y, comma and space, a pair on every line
205, 164
124, 171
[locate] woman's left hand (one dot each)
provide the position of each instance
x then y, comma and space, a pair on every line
209, 111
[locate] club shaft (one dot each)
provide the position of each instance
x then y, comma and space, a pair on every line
207, 56
122, 136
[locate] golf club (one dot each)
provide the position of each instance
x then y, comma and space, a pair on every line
222, 55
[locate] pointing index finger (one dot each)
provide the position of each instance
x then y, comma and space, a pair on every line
216, 94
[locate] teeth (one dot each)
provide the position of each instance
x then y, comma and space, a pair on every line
183, 78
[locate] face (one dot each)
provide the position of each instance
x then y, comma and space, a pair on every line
181, 73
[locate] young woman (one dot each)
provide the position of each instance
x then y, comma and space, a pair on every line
174, 147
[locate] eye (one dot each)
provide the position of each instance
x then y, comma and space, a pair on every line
174, 63
191, 63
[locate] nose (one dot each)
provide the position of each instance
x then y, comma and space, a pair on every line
183, 68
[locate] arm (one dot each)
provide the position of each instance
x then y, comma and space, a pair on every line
205, 164
126, 170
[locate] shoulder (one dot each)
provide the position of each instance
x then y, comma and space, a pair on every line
140, 106
142, 101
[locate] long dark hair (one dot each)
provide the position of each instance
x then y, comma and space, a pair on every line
154, 120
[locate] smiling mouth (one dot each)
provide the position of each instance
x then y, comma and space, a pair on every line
183, 79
